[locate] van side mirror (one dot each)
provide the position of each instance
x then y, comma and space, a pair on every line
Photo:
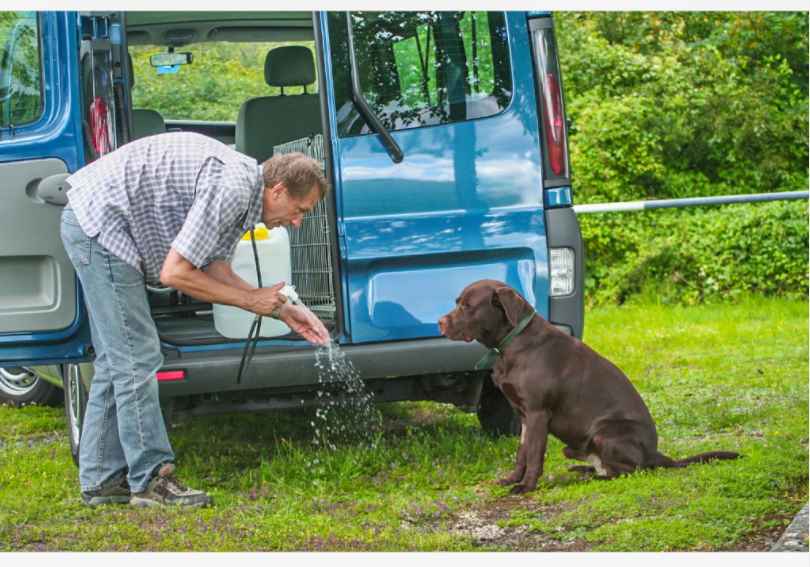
171, 59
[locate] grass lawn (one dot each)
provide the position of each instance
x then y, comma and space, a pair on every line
732, 377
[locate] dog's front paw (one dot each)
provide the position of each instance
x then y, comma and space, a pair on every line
521, 489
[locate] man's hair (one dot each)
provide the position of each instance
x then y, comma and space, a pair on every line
297, 172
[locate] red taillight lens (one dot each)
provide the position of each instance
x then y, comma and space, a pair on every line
555, 123
100, 126
555, 146
171, 375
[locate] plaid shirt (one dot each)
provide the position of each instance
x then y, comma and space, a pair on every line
180, 190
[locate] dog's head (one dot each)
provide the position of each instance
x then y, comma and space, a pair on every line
486, 311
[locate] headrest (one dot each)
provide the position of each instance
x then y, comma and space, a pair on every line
289, 66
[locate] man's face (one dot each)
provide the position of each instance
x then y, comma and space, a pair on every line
280, 209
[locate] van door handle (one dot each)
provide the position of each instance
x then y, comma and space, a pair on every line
54, 189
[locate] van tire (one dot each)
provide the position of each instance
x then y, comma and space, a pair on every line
20, 386
75, 406
167, 411
495, 413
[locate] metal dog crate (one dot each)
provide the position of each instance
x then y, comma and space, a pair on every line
310, 246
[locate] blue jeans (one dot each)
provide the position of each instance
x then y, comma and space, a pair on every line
123, 430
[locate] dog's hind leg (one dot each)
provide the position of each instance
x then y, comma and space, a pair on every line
615, 456
578, 456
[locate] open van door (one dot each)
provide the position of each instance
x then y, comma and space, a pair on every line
437, 166
42, 317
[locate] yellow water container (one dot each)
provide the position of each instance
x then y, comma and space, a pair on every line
273, 247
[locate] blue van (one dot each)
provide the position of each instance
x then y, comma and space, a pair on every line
442, 133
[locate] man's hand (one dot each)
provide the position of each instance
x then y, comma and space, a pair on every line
265, 300
304, 323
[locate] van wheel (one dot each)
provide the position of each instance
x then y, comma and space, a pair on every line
167, 409
75, 406
21, 386
495, 413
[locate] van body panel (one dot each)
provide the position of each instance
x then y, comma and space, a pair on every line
45, 321
37, 286
403, 295
466, 203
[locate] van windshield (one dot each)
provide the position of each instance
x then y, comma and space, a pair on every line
222, 76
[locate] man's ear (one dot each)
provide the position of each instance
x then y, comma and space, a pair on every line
511, 302
277, 190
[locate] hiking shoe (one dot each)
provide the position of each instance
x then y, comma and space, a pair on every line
117, 492
165, 489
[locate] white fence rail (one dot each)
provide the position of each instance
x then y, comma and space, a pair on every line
691, 202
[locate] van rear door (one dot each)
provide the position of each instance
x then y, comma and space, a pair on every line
465, 202
41, 313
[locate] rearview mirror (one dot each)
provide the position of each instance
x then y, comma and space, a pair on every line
170, 59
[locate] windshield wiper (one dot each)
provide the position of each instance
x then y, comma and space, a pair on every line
390, 144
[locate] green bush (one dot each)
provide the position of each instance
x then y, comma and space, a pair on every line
694, 255
685, 104
222, 76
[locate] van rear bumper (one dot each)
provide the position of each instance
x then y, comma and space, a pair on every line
295, 368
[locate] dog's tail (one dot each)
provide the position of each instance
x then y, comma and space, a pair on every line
699, 458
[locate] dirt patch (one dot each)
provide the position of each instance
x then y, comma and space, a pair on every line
763, 539
760, 540
480, 524
32, 441
418, 416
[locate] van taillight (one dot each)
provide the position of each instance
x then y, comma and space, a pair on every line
554, 122
171, 375
549, 87
100, 126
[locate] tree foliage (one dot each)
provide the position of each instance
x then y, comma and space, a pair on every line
222, 76
705, 103
21, 88
684, 104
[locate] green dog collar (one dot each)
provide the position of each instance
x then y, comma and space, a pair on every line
490, 357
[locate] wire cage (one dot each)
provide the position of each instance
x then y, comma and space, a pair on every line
310, 244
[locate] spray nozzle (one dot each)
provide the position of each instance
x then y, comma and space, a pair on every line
290, 293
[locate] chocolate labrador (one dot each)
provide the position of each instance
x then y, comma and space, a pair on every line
561, 386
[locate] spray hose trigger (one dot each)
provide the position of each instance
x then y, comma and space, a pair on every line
289, 292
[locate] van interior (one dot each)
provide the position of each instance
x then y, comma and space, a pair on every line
249, 80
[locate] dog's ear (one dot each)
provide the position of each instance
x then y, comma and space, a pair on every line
511, 302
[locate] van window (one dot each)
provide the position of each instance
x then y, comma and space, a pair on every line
422, 68
20, 69
222, 76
